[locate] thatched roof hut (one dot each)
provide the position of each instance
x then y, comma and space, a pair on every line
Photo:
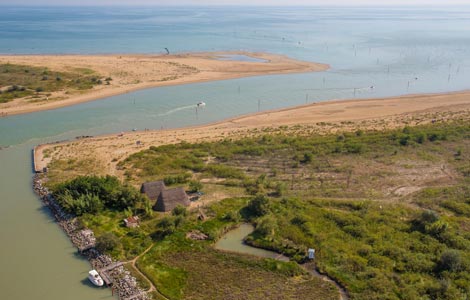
153, 189
171, 198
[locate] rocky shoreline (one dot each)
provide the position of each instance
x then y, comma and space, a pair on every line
112, 271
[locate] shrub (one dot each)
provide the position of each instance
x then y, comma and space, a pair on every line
451, 260
258, 206
175, 179
280, 189
195, 186
308, 157
179, 210
107, 242
266, 226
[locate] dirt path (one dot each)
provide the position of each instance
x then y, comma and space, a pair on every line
133, 264
310, 267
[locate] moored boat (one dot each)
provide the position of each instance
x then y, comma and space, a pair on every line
95, 278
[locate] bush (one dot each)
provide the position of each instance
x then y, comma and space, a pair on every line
195, 186
258, 206
451, 260
166, 226
179, 210
107, 242
280, 189
267, 226
308, 157
175, 179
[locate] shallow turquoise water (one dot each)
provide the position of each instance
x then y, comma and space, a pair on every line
383, 48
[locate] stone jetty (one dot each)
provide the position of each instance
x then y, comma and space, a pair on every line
112, 272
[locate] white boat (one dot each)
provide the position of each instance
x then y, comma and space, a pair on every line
201, 104
95, 278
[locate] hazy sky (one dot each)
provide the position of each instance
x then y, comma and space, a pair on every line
234, 2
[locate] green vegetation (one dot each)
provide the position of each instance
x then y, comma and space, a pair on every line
388, 213
92, 194
18, 81
186, 269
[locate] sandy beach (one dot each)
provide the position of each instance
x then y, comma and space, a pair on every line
134, 72
105, 152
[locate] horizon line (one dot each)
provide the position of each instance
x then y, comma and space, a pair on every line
240, 5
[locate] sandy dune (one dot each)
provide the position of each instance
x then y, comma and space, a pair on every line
106, 151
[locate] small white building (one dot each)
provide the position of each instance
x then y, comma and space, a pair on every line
311, 253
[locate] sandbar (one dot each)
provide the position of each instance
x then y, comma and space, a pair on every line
130, 72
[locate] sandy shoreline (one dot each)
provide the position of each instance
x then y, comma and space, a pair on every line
131, 72
104, 152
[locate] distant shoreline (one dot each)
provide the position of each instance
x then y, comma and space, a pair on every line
132, 72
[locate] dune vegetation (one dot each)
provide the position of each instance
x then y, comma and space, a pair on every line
19, 81
387, 211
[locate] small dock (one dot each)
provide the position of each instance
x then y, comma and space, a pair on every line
108, 280
110, 267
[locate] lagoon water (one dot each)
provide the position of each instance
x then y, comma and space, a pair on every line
395, 50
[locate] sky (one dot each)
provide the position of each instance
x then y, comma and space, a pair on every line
235, 2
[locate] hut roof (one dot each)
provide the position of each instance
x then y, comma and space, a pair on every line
152, 189
132, 221
171, 198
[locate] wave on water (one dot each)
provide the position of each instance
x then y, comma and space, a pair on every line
174, 110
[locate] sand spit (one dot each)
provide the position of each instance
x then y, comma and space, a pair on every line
130, 72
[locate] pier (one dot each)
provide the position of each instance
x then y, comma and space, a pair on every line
110, 267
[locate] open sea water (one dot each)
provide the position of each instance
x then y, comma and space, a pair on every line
394, 50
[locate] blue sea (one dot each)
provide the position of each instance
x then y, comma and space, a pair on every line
397, 51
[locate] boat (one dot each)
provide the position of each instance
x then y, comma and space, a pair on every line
201, 104
95, 278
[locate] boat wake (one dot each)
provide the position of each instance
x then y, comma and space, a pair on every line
174, 110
